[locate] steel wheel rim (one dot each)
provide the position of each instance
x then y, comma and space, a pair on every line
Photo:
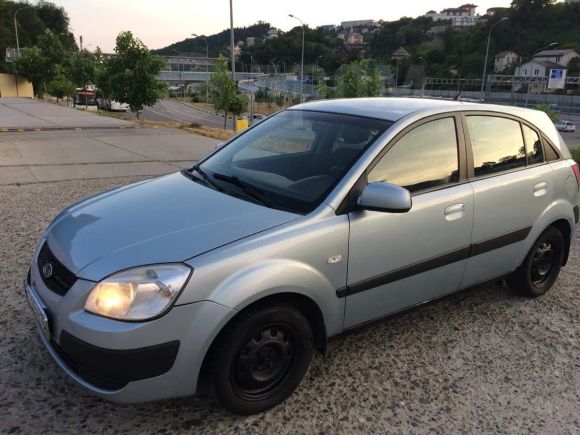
263, 361
543, 262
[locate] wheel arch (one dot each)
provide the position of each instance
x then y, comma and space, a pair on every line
307, 306
563, 225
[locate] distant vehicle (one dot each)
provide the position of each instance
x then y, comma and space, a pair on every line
567, 126
257, 117
112, 105
320, 219
85, 97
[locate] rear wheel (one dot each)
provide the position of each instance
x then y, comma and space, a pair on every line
541, 266
261, 358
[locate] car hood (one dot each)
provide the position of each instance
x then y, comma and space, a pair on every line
167, 219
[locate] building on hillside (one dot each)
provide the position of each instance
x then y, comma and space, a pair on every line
328, 28
250, 41
537, 68
354, 39
463, 16
504, 60
272, 33
341, 36
562, 56
347, 25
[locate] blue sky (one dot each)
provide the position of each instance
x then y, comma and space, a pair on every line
161, 22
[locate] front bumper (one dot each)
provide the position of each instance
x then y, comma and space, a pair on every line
123, 361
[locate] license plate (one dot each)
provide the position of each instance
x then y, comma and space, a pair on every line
39, 313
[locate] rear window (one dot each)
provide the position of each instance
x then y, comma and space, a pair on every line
497, 144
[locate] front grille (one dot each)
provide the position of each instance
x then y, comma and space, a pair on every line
60, 280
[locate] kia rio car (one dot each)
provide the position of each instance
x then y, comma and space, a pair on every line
321, 218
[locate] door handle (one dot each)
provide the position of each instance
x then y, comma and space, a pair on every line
540, 189
454, 212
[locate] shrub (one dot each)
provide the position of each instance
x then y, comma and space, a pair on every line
576, 155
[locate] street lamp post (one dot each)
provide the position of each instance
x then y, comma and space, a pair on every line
302, 61
206, 66
487, 55
547, 47
16, 28
233, 56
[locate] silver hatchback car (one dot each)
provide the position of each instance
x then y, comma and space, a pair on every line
319, 219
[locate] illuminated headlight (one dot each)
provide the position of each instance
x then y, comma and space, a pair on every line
138, 294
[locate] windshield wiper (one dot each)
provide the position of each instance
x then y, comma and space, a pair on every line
249, 189
204, 177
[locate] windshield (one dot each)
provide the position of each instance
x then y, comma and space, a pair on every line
292, 160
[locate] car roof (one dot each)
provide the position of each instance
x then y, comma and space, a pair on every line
394, 109
390, 109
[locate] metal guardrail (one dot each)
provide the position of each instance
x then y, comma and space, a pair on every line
198, 76
279, 84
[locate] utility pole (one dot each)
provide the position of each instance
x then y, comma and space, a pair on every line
487, 55
302, 61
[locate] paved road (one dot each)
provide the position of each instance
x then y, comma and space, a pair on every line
174, 111
31, 157
32, 114
484, 361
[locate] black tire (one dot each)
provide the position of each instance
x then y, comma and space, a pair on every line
541, 266
260, 358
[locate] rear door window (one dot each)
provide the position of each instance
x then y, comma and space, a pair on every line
497, 144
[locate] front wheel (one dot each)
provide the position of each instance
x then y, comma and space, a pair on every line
260, 358
541, 266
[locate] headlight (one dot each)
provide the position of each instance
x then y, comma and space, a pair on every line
138, 294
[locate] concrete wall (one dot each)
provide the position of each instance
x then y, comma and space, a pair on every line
15, 86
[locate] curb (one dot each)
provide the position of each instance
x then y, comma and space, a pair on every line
15, 129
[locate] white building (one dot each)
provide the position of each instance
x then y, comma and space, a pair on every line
463, 16
537, 68
562, 56
505, 59
272, 33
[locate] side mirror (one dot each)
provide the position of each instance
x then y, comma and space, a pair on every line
385, 197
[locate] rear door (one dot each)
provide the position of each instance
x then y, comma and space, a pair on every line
400, 260
512, 186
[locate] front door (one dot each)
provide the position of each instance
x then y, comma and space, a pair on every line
400, 260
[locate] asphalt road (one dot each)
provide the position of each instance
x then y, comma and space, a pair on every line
482, 361
32, 157
174, 111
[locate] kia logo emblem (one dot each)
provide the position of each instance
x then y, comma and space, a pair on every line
47, 270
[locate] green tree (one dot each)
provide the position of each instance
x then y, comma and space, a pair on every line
61, 87
132, 73
40, 63
356, 81
82, 68
223, 88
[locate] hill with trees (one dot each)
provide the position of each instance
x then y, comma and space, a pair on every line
531, 25
33, 21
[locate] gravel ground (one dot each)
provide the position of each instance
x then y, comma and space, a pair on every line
480, 361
